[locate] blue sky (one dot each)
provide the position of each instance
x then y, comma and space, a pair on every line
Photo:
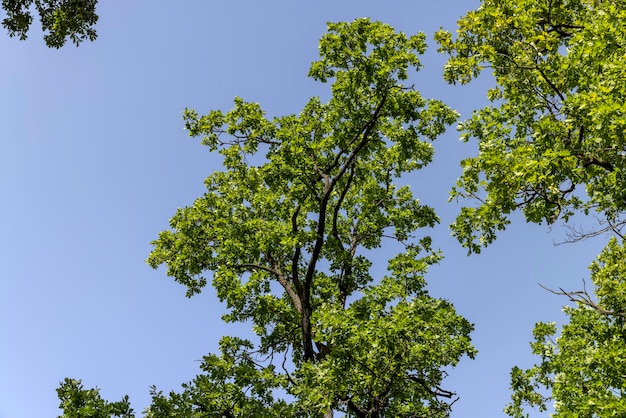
94, 161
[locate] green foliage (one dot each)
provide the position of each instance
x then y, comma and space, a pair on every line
60, 19
77, 402
557, 116
584, 371
283, 232
233, 386
551, 144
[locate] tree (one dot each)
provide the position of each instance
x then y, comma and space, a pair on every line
60, 19
551, 144
287, 229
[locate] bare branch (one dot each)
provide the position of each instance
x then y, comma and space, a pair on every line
577, 234
584, 298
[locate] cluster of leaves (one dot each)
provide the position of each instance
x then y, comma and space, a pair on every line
78, 402
283, 228
557, 117
60, 19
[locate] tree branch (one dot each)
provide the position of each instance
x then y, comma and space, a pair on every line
355, 408
296, 254
329, 185
277, 272
584, 298
437, 391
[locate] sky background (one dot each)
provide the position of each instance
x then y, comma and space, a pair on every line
94, 160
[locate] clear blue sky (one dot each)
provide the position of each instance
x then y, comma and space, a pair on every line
94, 160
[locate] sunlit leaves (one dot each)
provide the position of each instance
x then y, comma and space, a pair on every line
380, 348
557, 115
374, 53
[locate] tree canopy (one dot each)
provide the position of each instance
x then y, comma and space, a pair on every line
60, 19
285, 227
551, 144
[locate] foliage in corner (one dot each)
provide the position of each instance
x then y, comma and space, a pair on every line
60, 19
286, 233
552, 141
583, 371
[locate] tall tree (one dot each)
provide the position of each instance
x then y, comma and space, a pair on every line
552, 144
60, 19
287, 230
